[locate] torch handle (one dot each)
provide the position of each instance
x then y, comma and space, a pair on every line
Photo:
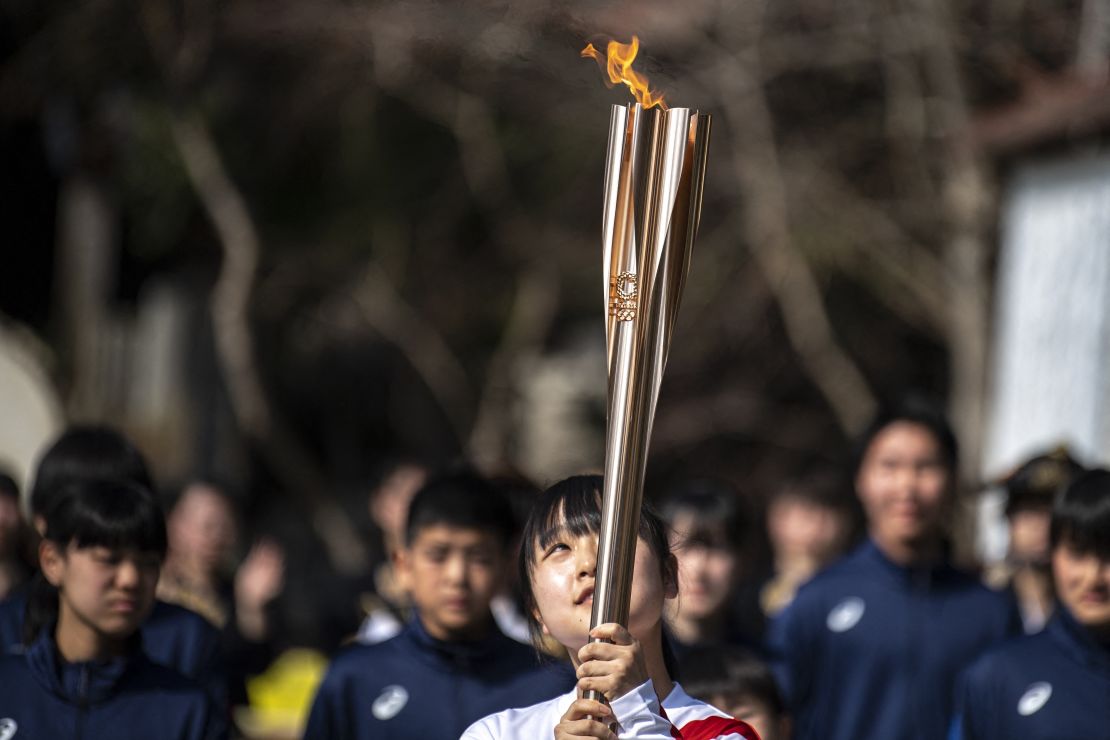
592, 693
597, 695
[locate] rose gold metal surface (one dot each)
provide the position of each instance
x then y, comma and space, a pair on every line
654, 177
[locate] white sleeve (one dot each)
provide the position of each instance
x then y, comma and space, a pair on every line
480, 730
638, 716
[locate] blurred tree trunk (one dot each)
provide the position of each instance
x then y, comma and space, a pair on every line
87, 254
767, 229
238, 236
967, 200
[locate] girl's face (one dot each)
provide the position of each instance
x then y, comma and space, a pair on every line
563, 585
902, 482
706, 572
111, 591
202, 528
1083, 585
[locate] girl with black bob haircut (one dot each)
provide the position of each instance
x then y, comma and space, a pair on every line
630, 668
83, 672
1081, 515
1054, 683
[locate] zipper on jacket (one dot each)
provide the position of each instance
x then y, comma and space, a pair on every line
82, 700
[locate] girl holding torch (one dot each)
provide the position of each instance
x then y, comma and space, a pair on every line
633, 669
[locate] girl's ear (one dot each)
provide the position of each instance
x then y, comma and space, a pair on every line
52, 561
670, 577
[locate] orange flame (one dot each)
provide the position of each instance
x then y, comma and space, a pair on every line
618, 64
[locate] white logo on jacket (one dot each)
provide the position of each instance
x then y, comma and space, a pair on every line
8, 728
391, 701
846, 615
1035, 697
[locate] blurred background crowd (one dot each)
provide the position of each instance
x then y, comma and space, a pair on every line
306, 254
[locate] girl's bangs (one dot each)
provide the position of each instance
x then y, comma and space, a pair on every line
118, 516
135, 530
576, 513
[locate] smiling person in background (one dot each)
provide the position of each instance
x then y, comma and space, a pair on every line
450, 665
871, 647
1055, 684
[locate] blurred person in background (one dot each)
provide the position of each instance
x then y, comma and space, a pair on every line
1054, 684
871, 647
200, 570
450, 665
171, 635
507, 605
200, 574
83, 673
737, 681
1030, 491
707, 530
14, 568
386, 605
809, 524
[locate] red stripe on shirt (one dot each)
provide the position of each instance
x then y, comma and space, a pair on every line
710, 728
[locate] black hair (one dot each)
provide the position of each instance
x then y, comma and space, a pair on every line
729, 670
718, 519
462, 499
86, 453
916, 410
94, 513
573, 506
8, 486
1039, 480
1081, 514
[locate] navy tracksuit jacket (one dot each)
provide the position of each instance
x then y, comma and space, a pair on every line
171, 636
870, 650
127, 698
1054, 685
414, 686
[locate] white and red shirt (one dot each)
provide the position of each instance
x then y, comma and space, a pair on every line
638, 713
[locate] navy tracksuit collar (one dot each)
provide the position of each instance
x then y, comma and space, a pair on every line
871, 555
458, 653
85, 683
1077, 641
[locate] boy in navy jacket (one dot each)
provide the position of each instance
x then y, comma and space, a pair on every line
871, 647
450, 665
1055, 684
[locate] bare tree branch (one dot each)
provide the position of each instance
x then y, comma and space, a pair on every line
234, 343
399, 323
758, 175
967, 199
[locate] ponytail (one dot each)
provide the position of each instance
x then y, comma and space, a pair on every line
41, 610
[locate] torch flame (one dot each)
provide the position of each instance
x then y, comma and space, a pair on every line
618, 64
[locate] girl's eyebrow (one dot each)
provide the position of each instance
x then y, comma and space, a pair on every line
548, 537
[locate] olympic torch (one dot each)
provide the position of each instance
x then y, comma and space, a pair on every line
654, 176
